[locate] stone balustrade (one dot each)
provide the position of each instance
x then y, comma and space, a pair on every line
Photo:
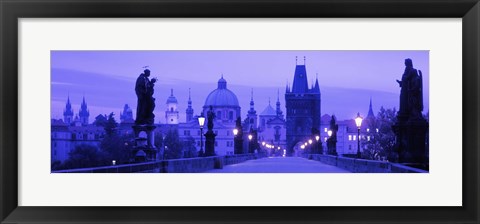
363, 165
184, 165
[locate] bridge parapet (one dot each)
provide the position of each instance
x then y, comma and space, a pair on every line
363, 165
184, 165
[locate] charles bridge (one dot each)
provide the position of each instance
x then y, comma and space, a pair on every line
316, 163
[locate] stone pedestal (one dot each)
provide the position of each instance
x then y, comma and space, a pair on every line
411, 140
209, 143
144, 149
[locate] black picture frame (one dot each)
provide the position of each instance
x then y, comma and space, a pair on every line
12, 10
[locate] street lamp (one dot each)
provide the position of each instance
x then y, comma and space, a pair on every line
235, 132
329, 132
250, 136
201, 122
358, 121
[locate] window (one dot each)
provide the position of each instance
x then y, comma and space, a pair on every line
368, 129
230, 115
368, 138
171, 109
228, 133
186, 132
349, 137
354, 138
350, 147
219, 115
325, 130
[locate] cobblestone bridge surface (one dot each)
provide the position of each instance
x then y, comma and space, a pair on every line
280, 165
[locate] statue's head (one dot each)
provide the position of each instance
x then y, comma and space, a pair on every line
146, 72
408, 62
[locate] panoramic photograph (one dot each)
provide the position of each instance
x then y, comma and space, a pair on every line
240, 111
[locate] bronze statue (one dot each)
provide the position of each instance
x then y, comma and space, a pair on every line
411, 100
146, 101
210, 116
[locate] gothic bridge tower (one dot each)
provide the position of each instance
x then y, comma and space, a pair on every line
303, 108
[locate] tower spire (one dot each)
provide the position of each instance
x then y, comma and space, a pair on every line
189, 110
370, 110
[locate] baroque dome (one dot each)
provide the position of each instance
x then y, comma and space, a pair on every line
221, 96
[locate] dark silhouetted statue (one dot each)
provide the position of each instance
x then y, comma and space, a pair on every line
146, 102
144, 149
411, 100
332, 140
411, 128
210, 135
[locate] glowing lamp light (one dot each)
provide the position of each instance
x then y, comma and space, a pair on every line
235, 131
317, 138
303, 146
263, 143
358, 121
201, 121
114, 162
250, 137
310, 141
329, 133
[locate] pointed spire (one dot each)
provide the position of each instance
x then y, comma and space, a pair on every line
171, 92
268, 100
251, 101
189, 97
278, 95
370, 110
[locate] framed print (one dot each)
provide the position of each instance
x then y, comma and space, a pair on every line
247, 112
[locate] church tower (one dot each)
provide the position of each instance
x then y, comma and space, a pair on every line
189, 110
84, 113
303, 108
252, 115
171, 114
68, 113
278, 109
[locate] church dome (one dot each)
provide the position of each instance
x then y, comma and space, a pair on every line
221, 96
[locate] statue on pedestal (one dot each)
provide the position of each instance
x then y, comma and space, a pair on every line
210, 135
144, 149
411, 128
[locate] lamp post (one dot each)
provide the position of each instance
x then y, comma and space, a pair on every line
358, 121
329, 142
201, 123
317, 148
250, 144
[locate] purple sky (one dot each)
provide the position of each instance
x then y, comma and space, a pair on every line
347, 78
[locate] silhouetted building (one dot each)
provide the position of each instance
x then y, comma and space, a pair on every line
171, 113
126, 116
68, 112
84, 113
272, 128
303, 108
226, 108
189, 110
